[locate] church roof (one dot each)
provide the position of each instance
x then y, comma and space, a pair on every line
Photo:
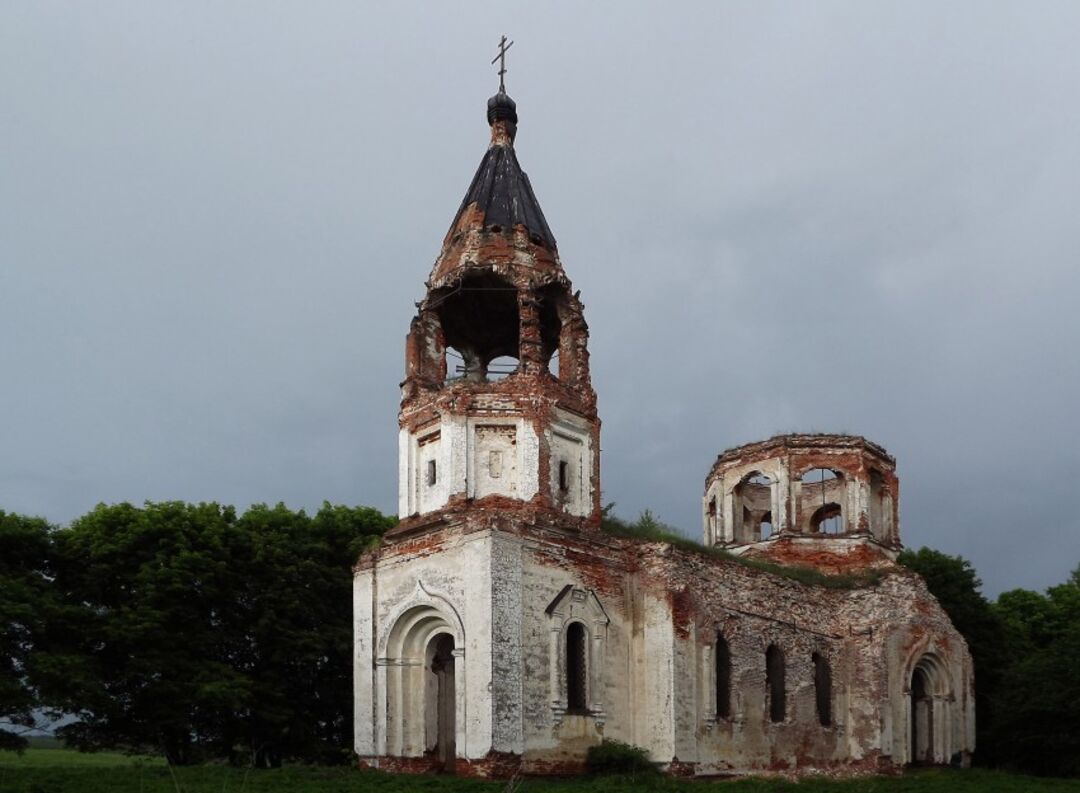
500, 190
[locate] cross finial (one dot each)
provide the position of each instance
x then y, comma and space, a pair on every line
501, 58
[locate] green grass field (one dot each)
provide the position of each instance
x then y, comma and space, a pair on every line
47, 769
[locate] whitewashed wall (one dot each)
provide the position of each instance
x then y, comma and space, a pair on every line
457, 582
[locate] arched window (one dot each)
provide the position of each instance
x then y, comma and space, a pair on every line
723, 678
774, 683
822, 495
822, 689
576, 669
753, 501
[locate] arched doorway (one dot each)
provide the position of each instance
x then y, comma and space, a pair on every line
420, 684
930, 713
440, 713
922, 719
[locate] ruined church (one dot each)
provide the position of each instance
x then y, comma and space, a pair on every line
499, 628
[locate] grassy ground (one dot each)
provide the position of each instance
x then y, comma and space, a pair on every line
53, 770
46, 753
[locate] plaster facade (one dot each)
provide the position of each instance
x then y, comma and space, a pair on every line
501, 629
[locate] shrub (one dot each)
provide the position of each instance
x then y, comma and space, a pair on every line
616, 757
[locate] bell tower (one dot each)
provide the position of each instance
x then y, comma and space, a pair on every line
497, 406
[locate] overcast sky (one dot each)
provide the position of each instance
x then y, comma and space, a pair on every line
860, 217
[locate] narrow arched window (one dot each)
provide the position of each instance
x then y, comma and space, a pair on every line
723, 678
823, 689
774, 683
576, 668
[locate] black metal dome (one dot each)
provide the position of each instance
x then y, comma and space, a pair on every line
501, 108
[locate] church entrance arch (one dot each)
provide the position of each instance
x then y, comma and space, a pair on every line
422, 684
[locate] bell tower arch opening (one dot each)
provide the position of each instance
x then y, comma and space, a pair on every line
480, 322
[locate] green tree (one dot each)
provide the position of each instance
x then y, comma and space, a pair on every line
147, 590
299, 628
191, 631
955, 584
24, 586
1038, 726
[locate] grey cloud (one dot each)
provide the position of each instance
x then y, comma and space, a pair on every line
839, 216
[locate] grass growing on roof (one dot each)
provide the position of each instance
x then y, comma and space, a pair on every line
649, 529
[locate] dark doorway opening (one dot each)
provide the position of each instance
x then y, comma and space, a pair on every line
922, 719
442, 666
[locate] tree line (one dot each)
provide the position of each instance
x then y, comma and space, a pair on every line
184, 629
193, 631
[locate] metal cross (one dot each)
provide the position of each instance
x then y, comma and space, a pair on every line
501, 58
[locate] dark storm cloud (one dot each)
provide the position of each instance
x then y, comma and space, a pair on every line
855, 217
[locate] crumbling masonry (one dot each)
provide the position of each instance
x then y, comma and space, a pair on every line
498, 627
